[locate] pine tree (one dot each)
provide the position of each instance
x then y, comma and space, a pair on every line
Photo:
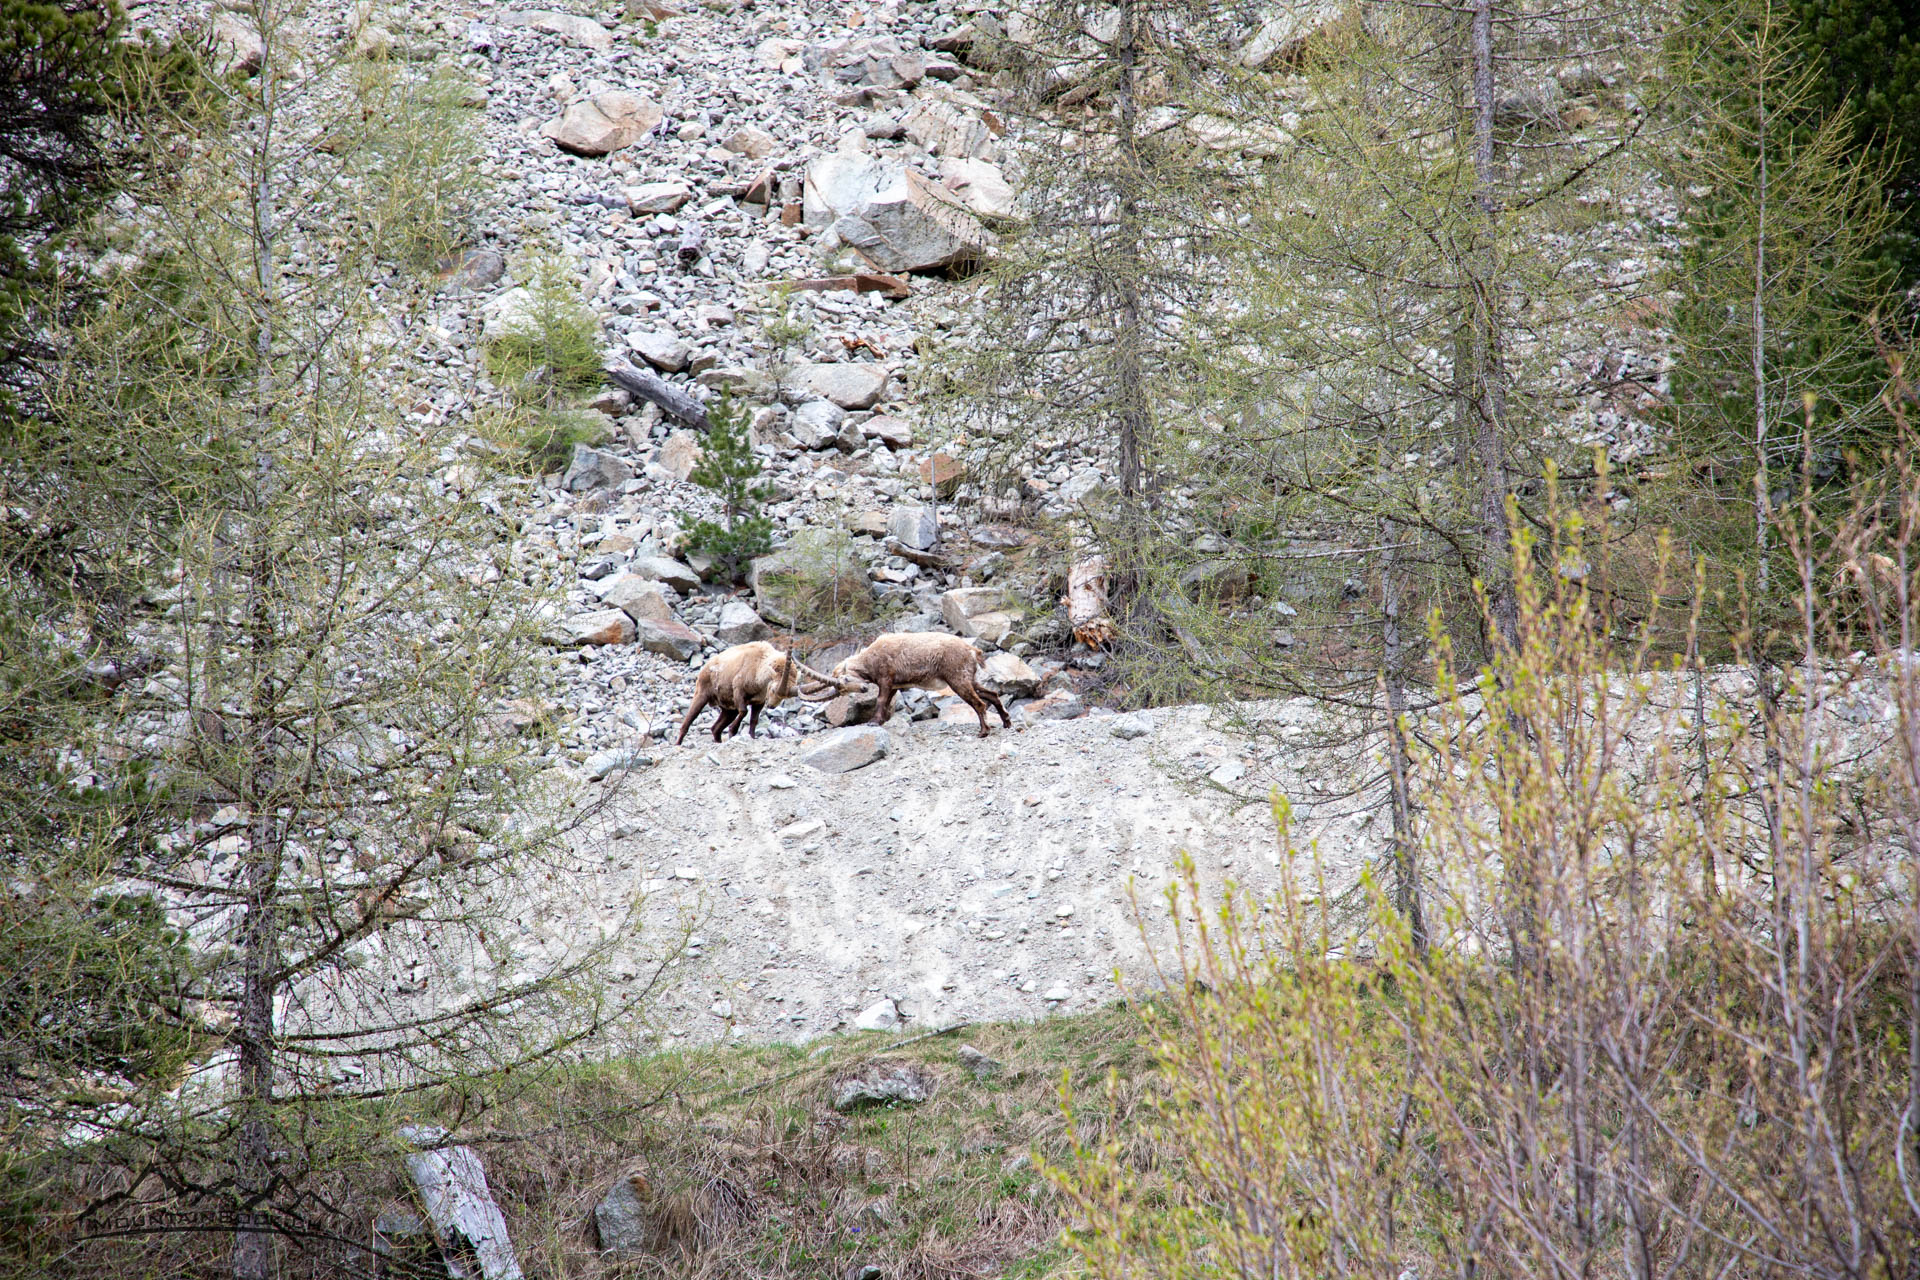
729, 467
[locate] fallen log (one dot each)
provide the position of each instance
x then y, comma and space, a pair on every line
646, 384
467, 1224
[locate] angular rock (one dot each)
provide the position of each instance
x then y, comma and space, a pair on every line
882, 1083
944, 472
851, 386
476, 269
639, 598
669, 639
237, 47
852, 708
373, 43
680, 454
915, 526
667, 570
978, 1064
1005, 673
980, 186
963, 606
657, 197
884, 1016
895, 433
603, 123
815, 573
882, 63
844, 750
1128, 728
595, 469
601, 764
602, 626
873, 524
569, 27
1283, 37
755, 144
816, 424
739, 624
1061, 704
948, 129
892, 216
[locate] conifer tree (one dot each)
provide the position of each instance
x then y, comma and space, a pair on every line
729, 468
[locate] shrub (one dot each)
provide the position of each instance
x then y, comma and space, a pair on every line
551, 346
816, 582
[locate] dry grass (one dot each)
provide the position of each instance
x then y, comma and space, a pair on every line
744, 1167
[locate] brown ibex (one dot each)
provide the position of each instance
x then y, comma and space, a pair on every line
923, 660
740, 682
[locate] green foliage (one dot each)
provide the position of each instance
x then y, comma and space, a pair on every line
551, 347
1865, 59
418, 188
817, 582
729, 467
546, 441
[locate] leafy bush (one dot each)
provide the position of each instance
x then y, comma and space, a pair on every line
816, 582
729, 468
551, 347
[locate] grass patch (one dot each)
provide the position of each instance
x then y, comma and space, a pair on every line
549, 348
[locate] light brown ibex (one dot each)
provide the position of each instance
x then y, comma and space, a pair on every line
923, 660
740, 682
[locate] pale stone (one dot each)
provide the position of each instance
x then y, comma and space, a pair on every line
603, 123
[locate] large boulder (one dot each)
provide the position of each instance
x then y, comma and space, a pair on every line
816, 576
1006, 673
816, 424
622, 1220
569, 27
603, 123
669, 639
947, 128
890, 215
665, 351
595, 469
844, 750
914, 526
979, 613
883, 1083
739, 624
849, 385
1283, 37
881, 63
668, 570
640, 598
657, 197
601, 626
980, 186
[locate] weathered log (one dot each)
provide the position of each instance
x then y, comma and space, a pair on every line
861, 282
646, 384
467, 1224
1087, 602
693, 241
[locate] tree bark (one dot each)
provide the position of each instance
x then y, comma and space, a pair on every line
1406, 869
1482, 390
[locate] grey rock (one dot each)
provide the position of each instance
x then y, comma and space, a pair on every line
477, 269
666, 352
949, 129
621, 1220
237, 47
879, 63
844, 750
895, 433
680, 454
657, 197
862, 1271
1219, 580
595, 469
604, 123
669, 639
978, 1064
640, 598
914, 526
577, 30
601, 626
882, 1083
739, 624
896, 218
851, 386
883, 1016
816, 424
755, 144
1130, 727
602, 763
1007, 674
667, 570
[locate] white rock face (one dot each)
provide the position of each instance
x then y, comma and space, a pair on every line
883, 1016
658, 197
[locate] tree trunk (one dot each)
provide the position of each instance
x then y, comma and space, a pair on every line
646, 384
1406, 869
1482, 389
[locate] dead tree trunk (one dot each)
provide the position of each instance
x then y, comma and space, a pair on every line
646, 384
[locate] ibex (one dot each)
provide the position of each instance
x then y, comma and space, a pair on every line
740, 682
924, 660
